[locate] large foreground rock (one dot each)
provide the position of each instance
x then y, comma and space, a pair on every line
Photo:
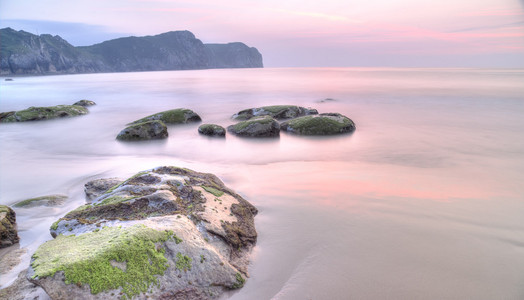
322, 124
8, 233
149, 130
165, 233
43, 113
264, 126
173, 116
279, 112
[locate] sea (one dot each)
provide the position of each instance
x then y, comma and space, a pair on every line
425, 200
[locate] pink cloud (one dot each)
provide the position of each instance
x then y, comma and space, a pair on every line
494, 12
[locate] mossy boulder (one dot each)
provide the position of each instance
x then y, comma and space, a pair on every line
322, 124
8, 232
173, 116
84, 103
212, 130
43, 113
264, 126
279, 112
49, 200
163, 233
149, 130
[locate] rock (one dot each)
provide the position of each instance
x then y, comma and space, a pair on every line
322, 124
279, 112
23, 289
149, 130
165, 233
85, 103
50, 200
43, 113
174, 116
8, 233
264, 126
326, 100
212, 130
97, 187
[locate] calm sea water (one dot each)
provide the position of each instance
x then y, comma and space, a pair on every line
424, 201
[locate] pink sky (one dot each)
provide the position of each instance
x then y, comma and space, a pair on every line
463, 33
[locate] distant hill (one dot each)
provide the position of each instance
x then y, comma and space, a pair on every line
25, 53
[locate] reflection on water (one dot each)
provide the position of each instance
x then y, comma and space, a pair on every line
424, 200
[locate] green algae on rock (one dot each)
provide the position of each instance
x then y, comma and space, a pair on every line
212, 130
264, 126
279, 112
322, 124
148, 130
173, 116
43, 113
8, 232
133, 246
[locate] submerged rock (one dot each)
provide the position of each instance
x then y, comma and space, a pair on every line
85, 103
43, 113
264, 126
174, 116
8, 232
322, 124
49, 200
279, 112
165, 233
212, 130
149, 130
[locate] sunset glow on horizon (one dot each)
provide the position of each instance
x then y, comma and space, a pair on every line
487, 33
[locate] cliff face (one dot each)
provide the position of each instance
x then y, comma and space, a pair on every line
25, 53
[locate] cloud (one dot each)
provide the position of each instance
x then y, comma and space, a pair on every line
489, 27
329, 17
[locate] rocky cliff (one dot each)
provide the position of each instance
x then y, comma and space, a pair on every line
25, 53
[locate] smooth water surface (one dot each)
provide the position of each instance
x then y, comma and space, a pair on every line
424, 201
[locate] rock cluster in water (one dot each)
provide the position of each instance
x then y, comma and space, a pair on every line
165, 233
262, 122
154, 126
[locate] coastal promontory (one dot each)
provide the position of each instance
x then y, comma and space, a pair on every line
24, 53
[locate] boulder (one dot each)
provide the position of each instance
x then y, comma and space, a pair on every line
322, 124
174, 116
8, 232
49, 200
212, 130
149, 130
97, 187
165, 233
279, 112
85, 103
43, 113
264, 126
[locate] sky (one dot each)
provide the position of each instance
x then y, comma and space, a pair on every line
305, 33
